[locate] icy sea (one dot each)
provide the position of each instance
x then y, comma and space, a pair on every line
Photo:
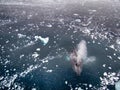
35, 41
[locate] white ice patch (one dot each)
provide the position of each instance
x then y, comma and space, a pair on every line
66, 82
104, 65
38, 49
29, 69
34, 89
8, 81
35, 55
49, 25
75, 14
112, 46
49, 71
21, 56
117, 85
1, 77
109, 78
43, 40
118, 41
21, 35
109, 56
119, 58
78, 20
30, 44
80, 88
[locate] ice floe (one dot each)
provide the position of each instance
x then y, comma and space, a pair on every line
43, 40
21, 35
49, 71
38, 49
35, 55
80, 88
49, 25
66, 82
118, 41
22, 56
34, 89
110, 78
8, 81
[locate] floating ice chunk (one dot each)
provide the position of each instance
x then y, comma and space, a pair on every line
49, 25
75, 31
109, 56
80, 88
29, 69
109, 67
119, 58
90, 85
78, 20
30, 44
87, 31
34, 89
105, 73
75, 14
44, 61
109, 78
7, 41
112, 46
117, 85
21, 56
1, 77
106, 49
118, 41
44, 67
7, 61
56, 65
38, 49
21, 35
35, 55
92, 10
29, 16
8, 81
43, 40
104, 65
49, 71
66, 82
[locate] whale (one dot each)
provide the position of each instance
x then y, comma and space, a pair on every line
78, 57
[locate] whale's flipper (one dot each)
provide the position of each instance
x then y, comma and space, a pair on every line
89, 60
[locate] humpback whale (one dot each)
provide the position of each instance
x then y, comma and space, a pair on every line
78, 56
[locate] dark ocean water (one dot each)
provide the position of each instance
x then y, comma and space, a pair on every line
27, 64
